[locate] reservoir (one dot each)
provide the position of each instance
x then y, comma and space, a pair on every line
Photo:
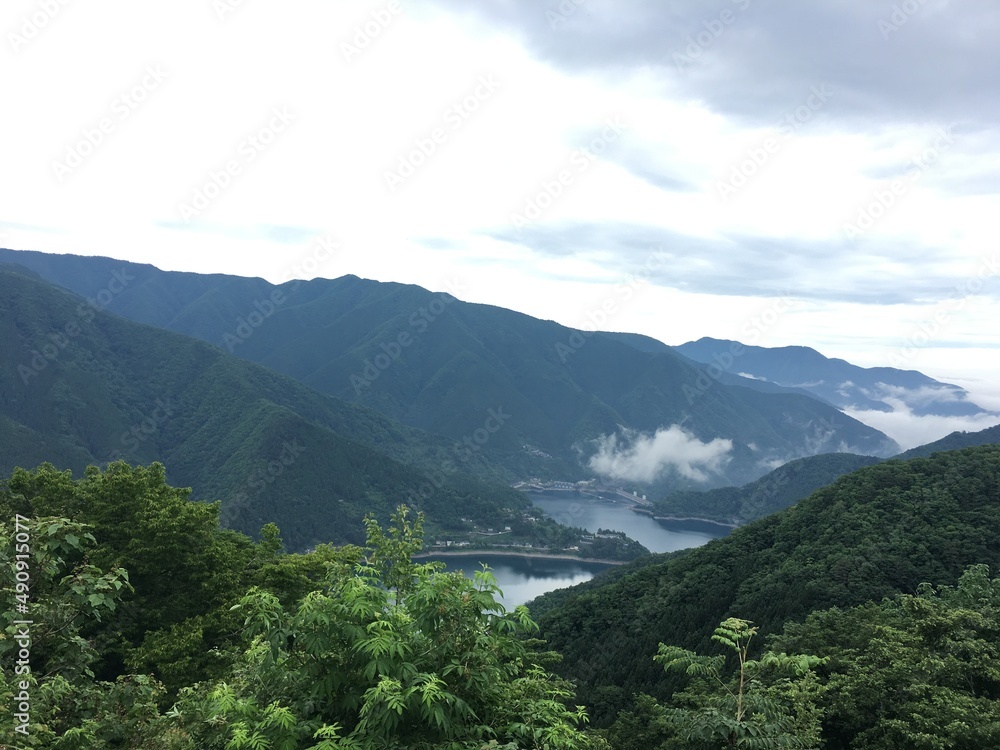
524, 578
592, 513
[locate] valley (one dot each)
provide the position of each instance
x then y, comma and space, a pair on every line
504, 375
615, 512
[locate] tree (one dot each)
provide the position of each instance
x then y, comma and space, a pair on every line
913, 672
388, 655
46, 663
767, 703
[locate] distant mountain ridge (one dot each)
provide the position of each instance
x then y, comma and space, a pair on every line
836, 381
433, 362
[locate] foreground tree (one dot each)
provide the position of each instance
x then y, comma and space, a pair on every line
51, 596
389, 655
765, 703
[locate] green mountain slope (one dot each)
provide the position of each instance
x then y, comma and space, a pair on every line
955, 441
880, 530
795, 480
433, 362
81, 386
775, 491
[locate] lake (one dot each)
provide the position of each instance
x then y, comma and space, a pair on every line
524, 578
591, 513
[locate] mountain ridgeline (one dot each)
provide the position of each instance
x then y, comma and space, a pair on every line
836, 381
438, 364
80, 386
775, 491
793, 481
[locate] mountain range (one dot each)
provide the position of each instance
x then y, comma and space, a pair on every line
575, 404
836, 381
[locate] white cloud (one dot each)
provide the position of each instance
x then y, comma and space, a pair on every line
910, 430
642, 458
924, 396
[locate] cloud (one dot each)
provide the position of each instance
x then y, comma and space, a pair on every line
941, 399
884, 59
753, 266
923, 396
639, 457
910, 429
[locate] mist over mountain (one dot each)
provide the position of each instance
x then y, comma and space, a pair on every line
908, 405
836, 381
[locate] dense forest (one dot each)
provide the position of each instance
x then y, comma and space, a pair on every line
866, 616
148, 626
774, 491
877, 532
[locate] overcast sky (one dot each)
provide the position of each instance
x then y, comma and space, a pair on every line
823, 173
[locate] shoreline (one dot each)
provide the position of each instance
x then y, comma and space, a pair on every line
510, 553
699, 520
642, 510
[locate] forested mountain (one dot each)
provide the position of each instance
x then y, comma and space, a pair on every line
81, 386
433, 362
793, 481
775, 491
873, 533
836, 381
954, 441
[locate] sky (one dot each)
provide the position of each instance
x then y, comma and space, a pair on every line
823, 174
